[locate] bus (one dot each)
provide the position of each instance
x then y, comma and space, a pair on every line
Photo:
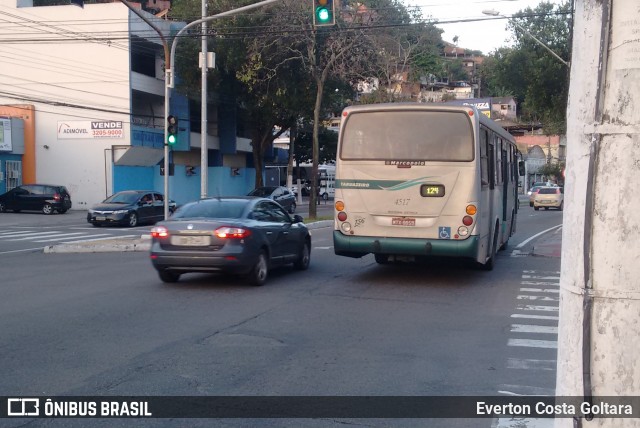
420, 180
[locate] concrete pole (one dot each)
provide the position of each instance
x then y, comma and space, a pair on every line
204, 152
599, 328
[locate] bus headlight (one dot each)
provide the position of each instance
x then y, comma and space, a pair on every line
463, 231
346, 227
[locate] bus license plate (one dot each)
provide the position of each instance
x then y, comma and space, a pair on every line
190, 241
403, 221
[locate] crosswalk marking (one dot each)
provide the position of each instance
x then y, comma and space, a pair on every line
531, 364
535, 317
532, 343
68, 236
540, 290
26, 233
537, 308
102, 239
59, 236
538, 298
42, 235
528, 328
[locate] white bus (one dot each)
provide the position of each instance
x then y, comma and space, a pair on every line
417, 180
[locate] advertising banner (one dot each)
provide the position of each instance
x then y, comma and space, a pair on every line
85, 129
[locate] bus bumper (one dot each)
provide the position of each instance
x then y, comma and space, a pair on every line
358, 246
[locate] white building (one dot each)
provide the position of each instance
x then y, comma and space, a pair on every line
88, 84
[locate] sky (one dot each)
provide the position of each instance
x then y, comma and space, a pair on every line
484, 36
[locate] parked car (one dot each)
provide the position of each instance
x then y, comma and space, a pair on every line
231, 234
129, 208
327, 191
36, 197
532, 194
306, 189
549, 197
280, 194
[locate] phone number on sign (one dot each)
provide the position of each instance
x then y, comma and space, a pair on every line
111, 133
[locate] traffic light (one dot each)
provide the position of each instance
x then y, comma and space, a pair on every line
323, 13
172, 130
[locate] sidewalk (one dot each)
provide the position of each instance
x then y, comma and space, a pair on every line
143, 243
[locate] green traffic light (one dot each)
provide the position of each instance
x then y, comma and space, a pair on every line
323, 14
171, 140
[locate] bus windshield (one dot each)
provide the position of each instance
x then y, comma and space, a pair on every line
406, 135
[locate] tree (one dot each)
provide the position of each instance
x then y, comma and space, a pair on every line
536, 79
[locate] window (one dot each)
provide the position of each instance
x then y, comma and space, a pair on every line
407, 135
484, 166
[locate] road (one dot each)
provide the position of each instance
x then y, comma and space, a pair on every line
28, 231
103, 324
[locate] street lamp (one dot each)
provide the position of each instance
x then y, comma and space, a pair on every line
496, 13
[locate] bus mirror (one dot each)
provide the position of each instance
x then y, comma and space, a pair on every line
521, 168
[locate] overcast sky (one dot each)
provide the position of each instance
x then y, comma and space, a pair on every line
484, 36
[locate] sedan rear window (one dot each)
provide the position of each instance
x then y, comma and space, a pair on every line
212, 209
548, 191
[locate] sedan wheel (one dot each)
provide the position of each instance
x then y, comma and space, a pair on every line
304, 258
133, 219
47, 209
167, 276
292, 208
325, 196
260, 271
561, 206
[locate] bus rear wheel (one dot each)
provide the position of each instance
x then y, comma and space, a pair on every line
381, 259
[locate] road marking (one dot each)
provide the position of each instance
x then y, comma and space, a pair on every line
35, 236
535, 317
25, 233
67, 236
530, 364
539, 277
539, 298
21, 251
531, 343
523, 243
322, 248
527, 390
540, 290
538, 283
101, 239
537, 308
527, 328
541, 272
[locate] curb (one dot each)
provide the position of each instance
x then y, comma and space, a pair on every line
133, 244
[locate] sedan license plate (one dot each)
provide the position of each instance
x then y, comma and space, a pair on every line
403, 221
191, 241
100, 218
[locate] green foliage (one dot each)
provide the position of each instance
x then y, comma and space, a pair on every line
552, 170
328, 143
538, 81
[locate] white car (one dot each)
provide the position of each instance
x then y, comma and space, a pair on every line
549, 197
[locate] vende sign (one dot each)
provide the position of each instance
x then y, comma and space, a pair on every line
90, 129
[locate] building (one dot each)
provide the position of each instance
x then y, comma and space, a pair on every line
86, 85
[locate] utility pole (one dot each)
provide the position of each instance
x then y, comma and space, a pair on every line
599, 328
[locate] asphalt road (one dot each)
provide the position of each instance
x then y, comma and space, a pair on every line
104, 324
28, 231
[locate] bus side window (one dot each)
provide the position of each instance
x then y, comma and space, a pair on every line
484, 165
492, 163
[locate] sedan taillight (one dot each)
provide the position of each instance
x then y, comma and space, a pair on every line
226, 232
159, 232
57, 197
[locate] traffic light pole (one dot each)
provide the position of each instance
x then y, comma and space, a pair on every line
204, 147
168, 61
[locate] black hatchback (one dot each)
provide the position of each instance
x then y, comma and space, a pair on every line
129, 208
36, 197
280, 194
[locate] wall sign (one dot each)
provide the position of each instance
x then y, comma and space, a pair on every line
5, 134
90, 129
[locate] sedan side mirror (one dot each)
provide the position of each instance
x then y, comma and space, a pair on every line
297, 219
